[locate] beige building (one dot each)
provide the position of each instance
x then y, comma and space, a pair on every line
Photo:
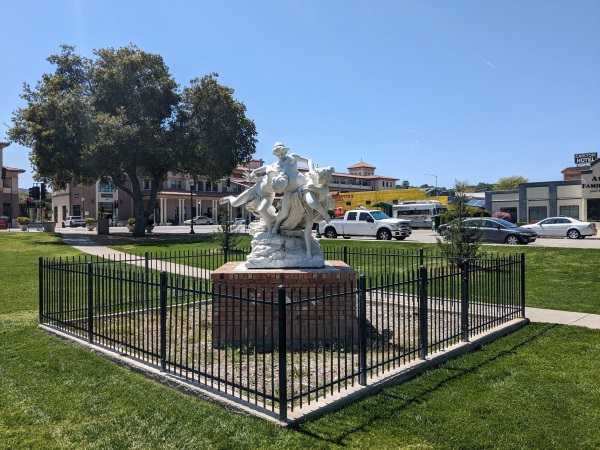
361, 177
9, 189
180, 198
575, 196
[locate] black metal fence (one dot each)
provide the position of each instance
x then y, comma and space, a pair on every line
159, 309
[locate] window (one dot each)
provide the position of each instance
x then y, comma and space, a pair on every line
593, 209
146, 184
106, 187
175, 184
537, 213
570, 211
364, 216
352, 216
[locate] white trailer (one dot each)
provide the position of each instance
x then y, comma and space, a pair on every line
420, 213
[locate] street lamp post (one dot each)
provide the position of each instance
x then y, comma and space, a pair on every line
435, 176
82, 208
191, 210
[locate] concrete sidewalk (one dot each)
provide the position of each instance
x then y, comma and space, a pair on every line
563, 317
83, 243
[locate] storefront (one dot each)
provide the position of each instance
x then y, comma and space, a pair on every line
579, 199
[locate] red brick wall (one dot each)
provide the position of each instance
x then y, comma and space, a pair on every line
321, 304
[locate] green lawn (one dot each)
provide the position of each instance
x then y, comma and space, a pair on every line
535, 389
556, 278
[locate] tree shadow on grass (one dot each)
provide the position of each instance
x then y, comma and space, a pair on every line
363, 415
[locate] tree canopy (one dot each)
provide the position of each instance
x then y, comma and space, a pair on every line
509, 183
122, 117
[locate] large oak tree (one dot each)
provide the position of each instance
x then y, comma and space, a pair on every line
122, 117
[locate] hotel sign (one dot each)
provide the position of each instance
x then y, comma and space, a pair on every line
585, 158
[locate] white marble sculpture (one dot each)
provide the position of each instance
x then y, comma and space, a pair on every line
283, 239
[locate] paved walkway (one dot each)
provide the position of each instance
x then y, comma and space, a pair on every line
83, 243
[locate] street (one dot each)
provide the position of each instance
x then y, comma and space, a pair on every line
424, 236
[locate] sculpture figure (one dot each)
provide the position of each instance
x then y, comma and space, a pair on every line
317, 198
258, 198
305, 198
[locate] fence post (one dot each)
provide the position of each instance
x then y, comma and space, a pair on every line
523, 284
40, 289
90, 302
421, 256
345, 258
362, 331
282, 355
163, 321
147, 278
225, 253
464, 307
423, 316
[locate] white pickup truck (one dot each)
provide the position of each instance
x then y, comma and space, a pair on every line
366, 223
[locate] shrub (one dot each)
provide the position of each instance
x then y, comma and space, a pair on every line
23, 220
502, 215
131, 221
226, 235
481, 213
458, 241
90, 221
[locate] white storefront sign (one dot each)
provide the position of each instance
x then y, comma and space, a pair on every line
590, 183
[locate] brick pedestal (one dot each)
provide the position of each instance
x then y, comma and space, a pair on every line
320, 305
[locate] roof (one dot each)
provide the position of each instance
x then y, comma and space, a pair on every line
14, 169
363, 177
363, 165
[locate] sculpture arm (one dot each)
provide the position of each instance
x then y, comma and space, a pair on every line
261, 169
304, 160
310, 186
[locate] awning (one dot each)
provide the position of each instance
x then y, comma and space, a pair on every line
387, 207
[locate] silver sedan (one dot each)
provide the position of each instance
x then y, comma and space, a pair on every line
563, 227
199, 220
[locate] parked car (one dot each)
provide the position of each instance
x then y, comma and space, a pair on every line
563, 227
494, 230
239, 221
73, 221
199, 220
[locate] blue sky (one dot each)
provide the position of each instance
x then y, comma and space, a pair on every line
463, 89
